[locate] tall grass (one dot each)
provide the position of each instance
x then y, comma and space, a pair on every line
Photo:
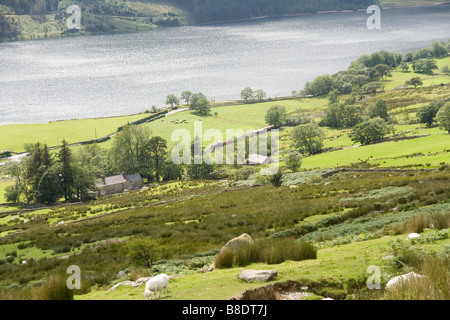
434, 285
270, 251
55, 288
417, 224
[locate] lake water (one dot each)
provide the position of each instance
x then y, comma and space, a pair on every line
109, 75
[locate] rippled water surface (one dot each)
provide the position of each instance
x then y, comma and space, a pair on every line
108, 75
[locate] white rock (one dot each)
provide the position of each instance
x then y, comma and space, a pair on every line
413, 236
399, 280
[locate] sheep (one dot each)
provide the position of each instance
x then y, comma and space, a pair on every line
156, 284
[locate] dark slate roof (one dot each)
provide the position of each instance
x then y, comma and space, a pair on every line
121, 178
135, 177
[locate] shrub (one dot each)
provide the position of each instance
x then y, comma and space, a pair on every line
270, 251
244, 173
55, 288
143, 252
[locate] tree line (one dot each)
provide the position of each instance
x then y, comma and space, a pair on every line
202, 10
219, 10
46, 177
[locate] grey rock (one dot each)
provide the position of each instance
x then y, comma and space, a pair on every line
257, 275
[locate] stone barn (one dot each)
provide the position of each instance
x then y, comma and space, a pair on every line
118, 184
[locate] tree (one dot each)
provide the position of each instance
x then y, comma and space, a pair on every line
276, 179
12, 193
186, 96
23, 185
445, 69
415, 81
89, 165
307, 138
200, 104
378, 109
293, 161
276, 116
443, 117
321, 85
438, 49
143, 252
383, 70
369, 131
404, 66
260, 95
372, 87
340, 115
66, 171
49, 189
172, 171
425, 66
359, 80
247, 94
130, 151
198, 168
158, 152
427, 113
172, 100
37, 164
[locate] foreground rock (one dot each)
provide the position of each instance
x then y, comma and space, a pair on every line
257, 275
233, 244
237, 242
399, 280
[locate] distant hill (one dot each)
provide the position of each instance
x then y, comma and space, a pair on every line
31, 19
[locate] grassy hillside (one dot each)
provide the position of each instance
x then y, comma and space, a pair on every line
192, 220
97, 17
338, 266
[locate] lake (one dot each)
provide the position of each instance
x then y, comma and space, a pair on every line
110, 75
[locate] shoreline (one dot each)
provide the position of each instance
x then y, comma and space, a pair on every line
220, 22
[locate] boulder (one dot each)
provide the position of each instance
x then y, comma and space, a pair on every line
399, 280
257, 275
235, 243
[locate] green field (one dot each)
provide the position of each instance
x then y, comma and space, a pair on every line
399, 77
53, 133
244, 116
435, 149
